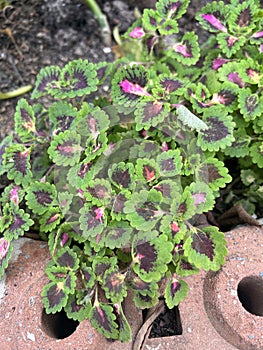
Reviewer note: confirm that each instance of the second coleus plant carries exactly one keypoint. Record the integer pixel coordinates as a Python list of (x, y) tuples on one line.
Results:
[(115, 184)]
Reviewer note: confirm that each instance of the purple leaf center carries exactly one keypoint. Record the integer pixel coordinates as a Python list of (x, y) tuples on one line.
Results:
[(214, 22)]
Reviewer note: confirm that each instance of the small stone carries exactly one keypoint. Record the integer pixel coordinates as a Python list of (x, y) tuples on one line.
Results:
[(107, 50), (31, 336)]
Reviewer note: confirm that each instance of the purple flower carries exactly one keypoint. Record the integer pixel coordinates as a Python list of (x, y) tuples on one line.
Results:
[(137, 33), (214, 22), (132, 88)]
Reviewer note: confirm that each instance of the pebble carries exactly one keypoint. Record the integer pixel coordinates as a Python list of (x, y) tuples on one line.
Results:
[(31, 336), (107, 50)]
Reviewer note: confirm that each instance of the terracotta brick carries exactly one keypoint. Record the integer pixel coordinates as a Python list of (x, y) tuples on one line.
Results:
[(21, 309), (213, 317)]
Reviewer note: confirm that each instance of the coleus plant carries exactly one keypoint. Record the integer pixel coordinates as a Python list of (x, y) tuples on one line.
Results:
[(114, 184)]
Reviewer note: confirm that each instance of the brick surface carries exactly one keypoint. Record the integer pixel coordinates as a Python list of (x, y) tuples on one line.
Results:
[(21, 308), (213, 317)]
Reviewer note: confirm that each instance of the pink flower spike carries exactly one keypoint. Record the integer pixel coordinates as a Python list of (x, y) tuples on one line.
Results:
[(261, 48), (137, 33), (132, 88), (214, 22)]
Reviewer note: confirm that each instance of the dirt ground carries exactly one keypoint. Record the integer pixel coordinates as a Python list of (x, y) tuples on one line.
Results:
[(44, 32)]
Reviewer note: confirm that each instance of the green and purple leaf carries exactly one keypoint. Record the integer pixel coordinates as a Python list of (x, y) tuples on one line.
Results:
[(117, 235), (3, 145), (76, 310), (147, 170), (173, 9), (65, 148), (129, 85), (117, 211), (143, 301), (213, 17), (40, 197), (170, 163), (16, 160), (103, 319), (219, 133), (227, 95), (25, 121), (102, 264), (143, 209), (122, 175), (88, 276), (63, 116), (47, 79), (175, 292), (242, 19), (151, 19), (6, 248), (149, 114), (203, 197), (206, 248), (232, 72), (230, 44), (250, 104), (77, 78), (214, 173), (20, 222), (98, 191), (54, 297), (93, 121), (186, 51), (124, 327), (67, 258), (114, 285), (93, 220), (50, 219), (184, 268), (151, 259)]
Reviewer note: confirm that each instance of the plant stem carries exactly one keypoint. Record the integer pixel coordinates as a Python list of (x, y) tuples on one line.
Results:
[(102, 19), (15, 93)]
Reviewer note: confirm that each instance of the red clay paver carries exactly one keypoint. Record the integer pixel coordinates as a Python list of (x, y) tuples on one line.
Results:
[(213, 318)]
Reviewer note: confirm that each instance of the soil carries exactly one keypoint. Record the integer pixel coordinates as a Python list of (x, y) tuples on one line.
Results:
[(38, 33), (44, 32)]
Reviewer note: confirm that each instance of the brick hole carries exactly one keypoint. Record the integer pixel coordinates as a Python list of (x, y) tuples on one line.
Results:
[(167, 324), (250, 294), (58, 325)]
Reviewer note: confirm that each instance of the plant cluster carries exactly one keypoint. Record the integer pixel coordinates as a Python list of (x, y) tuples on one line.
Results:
[(114, 184)]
